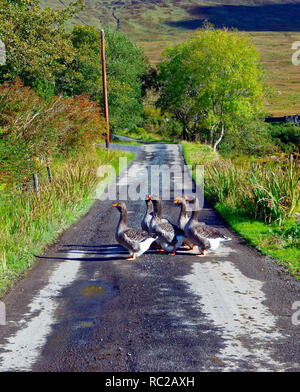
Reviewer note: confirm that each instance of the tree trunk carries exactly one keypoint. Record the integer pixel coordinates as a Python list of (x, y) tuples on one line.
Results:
[(220, 138), (211, 136), (185, 133)]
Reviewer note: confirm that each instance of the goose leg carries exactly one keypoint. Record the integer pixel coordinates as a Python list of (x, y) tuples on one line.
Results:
[(201, 254), (132, 257), (174, 251)]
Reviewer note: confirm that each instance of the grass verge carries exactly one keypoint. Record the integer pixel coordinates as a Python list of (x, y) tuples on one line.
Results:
[(234, 194), (30, 221)]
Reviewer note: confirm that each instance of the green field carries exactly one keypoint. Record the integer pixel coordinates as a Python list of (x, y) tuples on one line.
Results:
[(157, 24)]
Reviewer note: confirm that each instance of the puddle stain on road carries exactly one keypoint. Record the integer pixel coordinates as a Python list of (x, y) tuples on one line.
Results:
[(92, 291)]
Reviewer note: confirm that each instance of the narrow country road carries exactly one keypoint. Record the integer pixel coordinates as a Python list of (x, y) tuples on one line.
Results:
[(83, 307)]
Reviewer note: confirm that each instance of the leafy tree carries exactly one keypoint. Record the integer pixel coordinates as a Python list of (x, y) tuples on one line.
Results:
[(44, 56), (32, 128), (212, 81), (36, 44), (125, 64)]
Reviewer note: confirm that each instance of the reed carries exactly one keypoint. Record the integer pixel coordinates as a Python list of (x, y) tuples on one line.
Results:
[(265, 193)]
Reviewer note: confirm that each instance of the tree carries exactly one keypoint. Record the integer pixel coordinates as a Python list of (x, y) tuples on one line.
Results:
[(125, 63), (212, 81), (35, 39), (44, 56)]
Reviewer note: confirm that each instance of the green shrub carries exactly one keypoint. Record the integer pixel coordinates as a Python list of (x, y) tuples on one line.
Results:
[(34, 130), (286, 136)]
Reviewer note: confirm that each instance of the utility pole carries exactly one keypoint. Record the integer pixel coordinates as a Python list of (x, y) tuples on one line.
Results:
[(105, 88)]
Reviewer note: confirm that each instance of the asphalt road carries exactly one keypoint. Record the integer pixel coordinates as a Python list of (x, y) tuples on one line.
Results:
[(83, 307)]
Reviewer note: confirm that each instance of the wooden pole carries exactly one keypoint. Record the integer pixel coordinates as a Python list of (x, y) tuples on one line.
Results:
[(105, 88), (36, 186), (49, 174)]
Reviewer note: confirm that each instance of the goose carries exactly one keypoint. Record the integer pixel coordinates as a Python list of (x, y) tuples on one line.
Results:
[(136, 241), (183, 218), (145, 224), (152, 221), (148, 215), (205, 237), (170, 236)]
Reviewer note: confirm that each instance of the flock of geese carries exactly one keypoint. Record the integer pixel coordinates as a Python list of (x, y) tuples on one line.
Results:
[(160, 231)]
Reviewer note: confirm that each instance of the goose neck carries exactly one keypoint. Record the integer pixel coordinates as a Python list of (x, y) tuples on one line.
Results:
[(122, 225)]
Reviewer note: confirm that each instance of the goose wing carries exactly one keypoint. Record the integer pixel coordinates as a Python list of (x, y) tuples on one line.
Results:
[(209, 232), (133, 238), (168, 232), (198, 239)]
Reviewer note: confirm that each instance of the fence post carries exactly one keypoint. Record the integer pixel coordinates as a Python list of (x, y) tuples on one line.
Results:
[(36, 186), (49, 174)]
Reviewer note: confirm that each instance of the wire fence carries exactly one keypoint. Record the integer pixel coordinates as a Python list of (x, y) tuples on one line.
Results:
[(38, 180)]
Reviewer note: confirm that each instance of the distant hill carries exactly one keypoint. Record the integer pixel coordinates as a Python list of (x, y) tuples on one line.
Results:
[(145, 16), (156, 24)]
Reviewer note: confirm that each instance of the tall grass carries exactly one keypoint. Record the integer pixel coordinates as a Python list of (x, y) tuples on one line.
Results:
[(29, 221), (257, 198), (266, 193)]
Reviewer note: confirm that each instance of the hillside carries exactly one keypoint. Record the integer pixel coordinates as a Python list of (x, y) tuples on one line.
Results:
[(156, 24)]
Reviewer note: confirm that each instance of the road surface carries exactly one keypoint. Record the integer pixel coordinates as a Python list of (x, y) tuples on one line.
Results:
[(83, 307)]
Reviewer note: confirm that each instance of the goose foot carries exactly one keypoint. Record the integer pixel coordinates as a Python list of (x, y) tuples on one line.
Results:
[(186, 247), (201, 254), (174, 251), (162, 252)]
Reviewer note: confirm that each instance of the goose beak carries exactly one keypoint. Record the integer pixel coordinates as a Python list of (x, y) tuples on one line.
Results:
[(115, 205)]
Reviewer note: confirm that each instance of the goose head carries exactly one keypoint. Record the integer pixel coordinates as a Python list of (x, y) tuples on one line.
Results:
[(181, 200), (156, 204), (149, 205), (155, 201), (120, 206), (194, 201)]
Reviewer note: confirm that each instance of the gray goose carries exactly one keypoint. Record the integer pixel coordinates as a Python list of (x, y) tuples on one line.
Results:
[(136, 241), (145, 224), (205, 237), (148, 215), (170, 236), (183, 218)]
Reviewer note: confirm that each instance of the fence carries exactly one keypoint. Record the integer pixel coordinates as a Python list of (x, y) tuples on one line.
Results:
[(35, 183)]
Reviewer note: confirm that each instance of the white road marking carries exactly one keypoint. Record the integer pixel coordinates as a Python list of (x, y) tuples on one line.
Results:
[(22, 349), (235, 304)]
